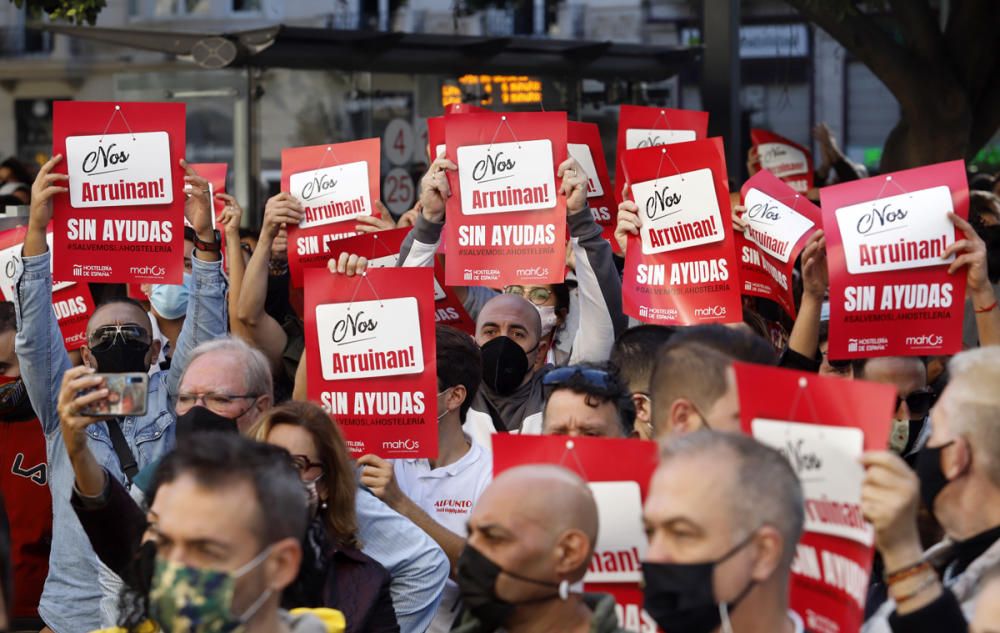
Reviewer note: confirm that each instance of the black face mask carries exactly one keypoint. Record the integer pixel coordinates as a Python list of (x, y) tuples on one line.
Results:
[(681, 597), (121, 357), (505, 365), (932, 478), (14, 403), (198, 419), (477, 582)]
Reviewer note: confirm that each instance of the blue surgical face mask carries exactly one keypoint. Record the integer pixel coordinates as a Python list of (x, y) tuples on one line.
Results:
[(171, 301)]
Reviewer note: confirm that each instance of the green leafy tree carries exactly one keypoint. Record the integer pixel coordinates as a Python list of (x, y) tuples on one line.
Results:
[(944, 69), (77, 11)]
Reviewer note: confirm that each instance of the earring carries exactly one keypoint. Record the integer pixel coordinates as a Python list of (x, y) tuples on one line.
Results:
[(564, 590)]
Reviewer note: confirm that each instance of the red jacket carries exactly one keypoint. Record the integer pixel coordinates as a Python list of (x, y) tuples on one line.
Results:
[(24, 485)]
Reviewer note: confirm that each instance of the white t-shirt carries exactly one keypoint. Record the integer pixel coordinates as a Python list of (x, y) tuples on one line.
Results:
[(447, 494)]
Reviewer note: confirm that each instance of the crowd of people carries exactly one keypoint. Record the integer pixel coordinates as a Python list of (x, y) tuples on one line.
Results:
[(234, 504)]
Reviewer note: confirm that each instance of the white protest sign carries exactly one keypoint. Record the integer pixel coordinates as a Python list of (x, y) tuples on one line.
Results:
[(826, 460), (505, 177), (909, 230), (10, 259), (678, 212), (640, 137), (782, 160), (581, 152), (773, 226), (621, 541), (366, 339), (332, 194), (119, 170)]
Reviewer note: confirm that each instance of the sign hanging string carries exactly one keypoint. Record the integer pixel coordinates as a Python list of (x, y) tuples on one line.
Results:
[(364, 276), (800, 393), (503, 122), (571, 450), (663, 153), (329, 152), (117, 111), (888, 179)]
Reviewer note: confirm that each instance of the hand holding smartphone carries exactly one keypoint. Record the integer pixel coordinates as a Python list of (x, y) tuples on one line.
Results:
[(127, 395)]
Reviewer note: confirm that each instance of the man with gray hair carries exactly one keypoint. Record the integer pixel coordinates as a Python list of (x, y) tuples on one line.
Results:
[(958, 478), (724, 514)]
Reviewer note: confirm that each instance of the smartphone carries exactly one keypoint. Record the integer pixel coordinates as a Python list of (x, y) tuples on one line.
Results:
[(126, 395)]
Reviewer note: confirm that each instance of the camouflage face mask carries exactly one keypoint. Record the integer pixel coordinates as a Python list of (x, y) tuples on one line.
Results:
[(187, 599)]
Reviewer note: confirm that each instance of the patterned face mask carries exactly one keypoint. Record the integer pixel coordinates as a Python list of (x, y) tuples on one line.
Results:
[(187, 599)]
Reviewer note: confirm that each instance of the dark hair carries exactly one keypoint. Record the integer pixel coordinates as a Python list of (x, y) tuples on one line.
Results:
[(340, 518), (634, 354), (8, 318), (689, 370), (248, 234), (459, 362), (19, 169), (613, 390), (116, 300), (217, 460), (980, 181), (736, 343), (982, 203)]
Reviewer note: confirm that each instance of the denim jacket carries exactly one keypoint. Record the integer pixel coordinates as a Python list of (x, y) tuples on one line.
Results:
[(71, 598)]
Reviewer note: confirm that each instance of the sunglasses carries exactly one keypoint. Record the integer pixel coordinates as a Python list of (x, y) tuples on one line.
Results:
[(129, 334), (918, 402), (537, 296), (593, 378)]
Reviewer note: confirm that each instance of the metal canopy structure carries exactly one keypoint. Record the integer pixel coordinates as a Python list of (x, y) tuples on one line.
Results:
[(418, 53)]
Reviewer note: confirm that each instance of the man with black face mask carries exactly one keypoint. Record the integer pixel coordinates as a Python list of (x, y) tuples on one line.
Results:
[(509, 328), (524, 553), (118, 340), (724, 514), (958, 478)]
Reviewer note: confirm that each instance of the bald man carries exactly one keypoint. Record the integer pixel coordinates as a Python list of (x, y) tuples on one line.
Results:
[(508, 327), (531, 536)]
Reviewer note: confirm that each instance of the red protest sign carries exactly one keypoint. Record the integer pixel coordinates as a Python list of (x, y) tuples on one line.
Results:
[(506, 218), (780, 222), (584, 144), (786, 159), (620, 487), (123, 218), (372, 358), (647, 126), (448, 309), (215, 174), (823, 425), (435, 137), (681, 269), (382, 251), (71, 301), (335, 184), (890, 291)]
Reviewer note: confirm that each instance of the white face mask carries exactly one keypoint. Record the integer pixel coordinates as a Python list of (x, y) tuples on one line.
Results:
[(549, 319)]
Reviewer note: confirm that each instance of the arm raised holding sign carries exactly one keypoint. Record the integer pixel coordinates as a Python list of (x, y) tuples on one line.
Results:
[(261, 328), (600, 287), (970, 253)]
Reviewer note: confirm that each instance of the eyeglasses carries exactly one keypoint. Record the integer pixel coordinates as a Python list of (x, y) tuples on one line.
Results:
[(593, 378), (217, 402), (303, 463), (537, 296), (918, 402), (130, 334)]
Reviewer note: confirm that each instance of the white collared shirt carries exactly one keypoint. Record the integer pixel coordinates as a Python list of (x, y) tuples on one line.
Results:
[(447, 494)]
